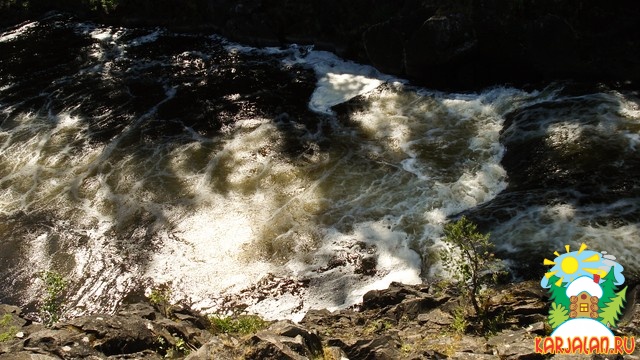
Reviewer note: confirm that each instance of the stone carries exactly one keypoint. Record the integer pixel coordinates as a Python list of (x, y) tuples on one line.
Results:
[(435, 316), (218, 347), (311, 339), (334, 352), (393, 295), (385, 47), (382, 347), (25, 355), (265, 345), (440, 42), (511, 344), (115, 335), (143, 310)]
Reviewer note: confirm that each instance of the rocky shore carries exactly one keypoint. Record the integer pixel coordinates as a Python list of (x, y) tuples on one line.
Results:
[(401, 322)]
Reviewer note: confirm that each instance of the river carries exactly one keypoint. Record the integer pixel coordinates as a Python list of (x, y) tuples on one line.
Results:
[(283, 179)]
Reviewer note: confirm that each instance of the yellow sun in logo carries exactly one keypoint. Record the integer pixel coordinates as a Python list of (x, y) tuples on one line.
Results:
[(569, 265)]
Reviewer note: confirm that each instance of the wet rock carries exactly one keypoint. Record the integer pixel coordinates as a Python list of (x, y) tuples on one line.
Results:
[(113, 335), (288, 329), (401, 322)]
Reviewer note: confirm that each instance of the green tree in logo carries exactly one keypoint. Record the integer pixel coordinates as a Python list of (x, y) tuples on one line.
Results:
[(610, 314), (609, 288), (558, 293)]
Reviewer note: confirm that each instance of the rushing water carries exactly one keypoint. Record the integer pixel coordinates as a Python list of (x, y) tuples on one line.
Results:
[(282, 179)]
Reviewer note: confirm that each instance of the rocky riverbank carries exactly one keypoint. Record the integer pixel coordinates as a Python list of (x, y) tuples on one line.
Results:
[(401, 322), (437, 43)]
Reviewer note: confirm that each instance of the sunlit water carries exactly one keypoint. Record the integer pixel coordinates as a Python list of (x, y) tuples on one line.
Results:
[(137, 157)]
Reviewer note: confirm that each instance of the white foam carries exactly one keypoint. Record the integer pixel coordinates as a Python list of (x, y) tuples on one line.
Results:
[(13, 34), (145, 39)]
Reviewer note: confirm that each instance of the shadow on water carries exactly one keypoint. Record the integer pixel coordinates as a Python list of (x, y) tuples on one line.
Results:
[(572, 164), (136, 103)]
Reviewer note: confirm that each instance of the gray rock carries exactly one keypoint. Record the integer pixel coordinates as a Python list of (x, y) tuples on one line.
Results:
[(269, 346), (115, 335), (511, 344), (382, 347), (219, 347), (311, 339), (25, 355)]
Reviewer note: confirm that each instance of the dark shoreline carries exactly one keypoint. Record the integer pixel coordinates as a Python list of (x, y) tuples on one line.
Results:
[(401, 322), (461, 45)]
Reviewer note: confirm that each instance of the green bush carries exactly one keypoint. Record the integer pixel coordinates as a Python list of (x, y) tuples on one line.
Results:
[(7, 330), (237, 324), (470, 260), (52, 303), (160, 296)]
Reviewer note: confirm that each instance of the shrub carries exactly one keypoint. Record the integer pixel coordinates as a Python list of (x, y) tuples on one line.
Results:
[(469, 259), (160, 296), (237, 324), (52, 303)]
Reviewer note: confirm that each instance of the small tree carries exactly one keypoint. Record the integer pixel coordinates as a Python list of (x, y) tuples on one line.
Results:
[(52, 302), (468, 259)]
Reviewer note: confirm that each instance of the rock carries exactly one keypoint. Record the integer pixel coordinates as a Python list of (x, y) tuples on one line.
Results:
[(265, 345), (511, 344), (385, 48), (143, 310), (552, 47), (334, 352), (471, 356), (393, 295), (219, 347), (286, 340), (383, 347), (440, 43), (25, 355), (288, 329), (435, 316), (115, 335)]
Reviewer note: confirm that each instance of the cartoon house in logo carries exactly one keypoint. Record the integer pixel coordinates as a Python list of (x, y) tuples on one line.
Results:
[(586, 303), (584, 294)]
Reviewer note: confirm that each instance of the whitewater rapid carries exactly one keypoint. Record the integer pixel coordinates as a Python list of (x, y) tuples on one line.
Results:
[(109, 176)]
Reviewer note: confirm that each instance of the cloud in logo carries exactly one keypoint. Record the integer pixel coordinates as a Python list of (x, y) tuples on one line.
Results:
[(574, 264)]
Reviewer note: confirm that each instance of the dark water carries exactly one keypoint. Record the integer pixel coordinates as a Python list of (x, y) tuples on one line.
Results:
[(133, 157)]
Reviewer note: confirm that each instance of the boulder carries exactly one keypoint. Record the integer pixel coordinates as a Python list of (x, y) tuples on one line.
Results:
[(442, 42), (114, 335), (385, 48), (222, 347)]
